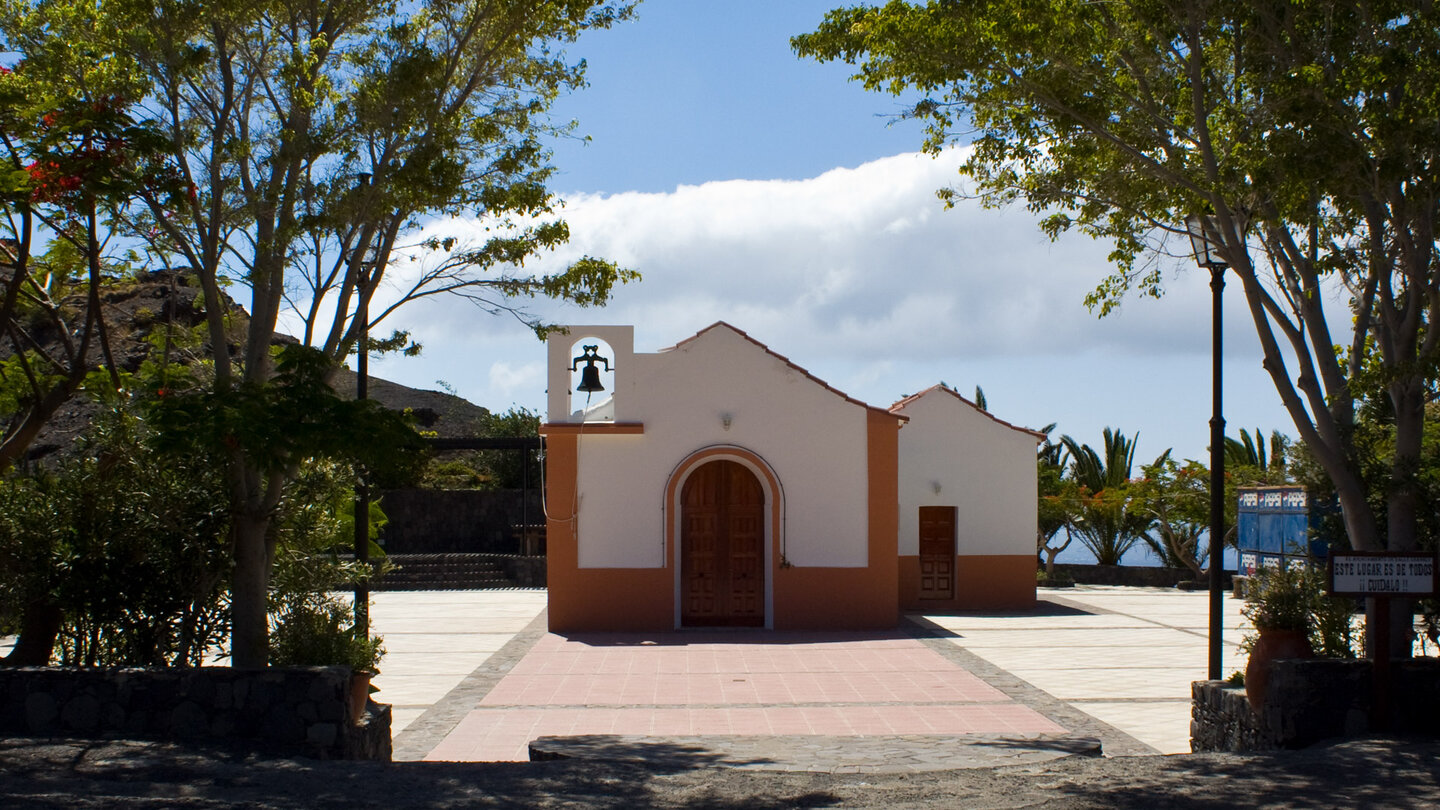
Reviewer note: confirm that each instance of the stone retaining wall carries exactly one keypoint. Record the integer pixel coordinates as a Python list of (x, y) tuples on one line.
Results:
[(1312, 700), (295, 710), (1132, 575), (525, 572), (426, 521)]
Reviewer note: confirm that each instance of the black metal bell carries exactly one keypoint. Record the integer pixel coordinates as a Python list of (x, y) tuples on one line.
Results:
[(590, 380)]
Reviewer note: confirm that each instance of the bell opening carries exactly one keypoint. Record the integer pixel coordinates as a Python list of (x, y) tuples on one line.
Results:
[(592, 369)]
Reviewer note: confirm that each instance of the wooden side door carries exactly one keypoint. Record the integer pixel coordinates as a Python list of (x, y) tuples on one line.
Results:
[(937, 552), (722, 547)]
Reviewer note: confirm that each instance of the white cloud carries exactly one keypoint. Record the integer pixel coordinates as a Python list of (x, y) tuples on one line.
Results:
[(516, 380), (861, 276)]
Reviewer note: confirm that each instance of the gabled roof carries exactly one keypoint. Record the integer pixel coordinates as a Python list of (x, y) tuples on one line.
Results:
[(828, 387), (956, 394)]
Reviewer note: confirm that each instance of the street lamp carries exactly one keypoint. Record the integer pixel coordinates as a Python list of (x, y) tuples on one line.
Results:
[(362, 391), (1206, 242)]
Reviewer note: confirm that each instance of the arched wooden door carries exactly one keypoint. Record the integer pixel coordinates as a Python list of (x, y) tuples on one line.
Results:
[(722, 547)]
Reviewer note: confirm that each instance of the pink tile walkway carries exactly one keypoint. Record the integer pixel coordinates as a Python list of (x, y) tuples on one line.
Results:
[(732, 683)]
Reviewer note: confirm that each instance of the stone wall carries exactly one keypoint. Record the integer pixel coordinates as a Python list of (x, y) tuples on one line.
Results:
[(1312, 700), (297, 710), (425, 521), (1132, 575), (525, 572)]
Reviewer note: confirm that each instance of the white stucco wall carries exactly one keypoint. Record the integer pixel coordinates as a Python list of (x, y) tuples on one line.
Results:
[(811, 437), (984, 468)]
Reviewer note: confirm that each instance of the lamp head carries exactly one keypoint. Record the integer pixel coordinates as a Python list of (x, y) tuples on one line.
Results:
[(1205, 241)]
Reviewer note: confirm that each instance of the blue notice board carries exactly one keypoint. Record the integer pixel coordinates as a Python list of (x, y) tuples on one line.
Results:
[(1273, 528)]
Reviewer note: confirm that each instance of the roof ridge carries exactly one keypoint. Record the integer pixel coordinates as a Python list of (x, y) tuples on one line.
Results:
[(956, 394)]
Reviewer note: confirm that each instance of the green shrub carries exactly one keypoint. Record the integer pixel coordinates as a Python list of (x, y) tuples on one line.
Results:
[(1058, 578), (321, 633), (315, 531), (128, 545)]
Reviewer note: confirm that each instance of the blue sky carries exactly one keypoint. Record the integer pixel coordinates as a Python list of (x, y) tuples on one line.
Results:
[(752, 187), (703, 90)]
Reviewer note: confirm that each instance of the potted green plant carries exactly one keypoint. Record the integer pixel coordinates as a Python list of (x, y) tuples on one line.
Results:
[(321, 633), (1280, 601)]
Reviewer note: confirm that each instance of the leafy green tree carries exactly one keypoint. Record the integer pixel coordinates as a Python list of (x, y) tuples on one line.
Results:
[(1306, 129), (76, 163), (319, 137), (491, 469), (505, 469), (1177, 496), (1056, 511)]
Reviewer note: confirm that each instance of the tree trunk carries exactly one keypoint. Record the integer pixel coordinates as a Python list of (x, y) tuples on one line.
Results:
[(1403, 499), (1402, 627), (1051, 552), (1402, 509), (39, 626), (249, 625)]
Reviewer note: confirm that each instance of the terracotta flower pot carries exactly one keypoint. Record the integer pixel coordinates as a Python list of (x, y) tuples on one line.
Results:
[(360, 693), (1272, 646)]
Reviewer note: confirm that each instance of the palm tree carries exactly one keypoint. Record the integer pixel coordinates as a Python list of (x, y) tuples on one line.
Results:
[(1106, 522), (1248, 454)]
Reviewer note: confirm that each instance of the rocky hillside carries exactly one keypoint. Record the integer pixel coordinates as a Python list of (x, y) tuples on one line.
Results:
[(136, 309)]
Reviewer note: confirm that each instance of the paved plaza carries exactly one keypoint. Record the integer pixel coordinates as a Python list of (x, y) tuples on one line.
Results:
[(474, 676)]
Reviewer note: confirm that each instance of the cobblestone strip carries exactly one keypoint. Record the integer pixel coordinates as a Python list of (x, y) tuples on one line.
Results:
[(1115, 742), (430, 728)]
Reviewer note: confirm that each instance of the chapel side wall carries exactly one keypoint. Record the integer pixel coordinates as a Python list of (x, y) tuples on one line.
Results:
[(987, 471)]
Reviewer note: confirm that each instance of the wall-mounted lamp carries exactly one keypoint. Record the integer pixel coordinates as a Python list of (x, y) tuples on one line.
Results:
[(725, 420), (935, 485)]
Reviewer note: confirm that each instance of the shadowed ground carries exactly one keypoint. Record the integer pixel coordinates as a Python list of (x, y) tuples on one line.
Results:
[(1356, 774)]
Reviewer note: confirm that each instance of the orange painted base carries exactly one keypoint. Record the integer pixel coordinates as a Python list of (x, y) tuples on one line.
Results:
[(835, 599), (982, 582), (620, 599), (630, 599)]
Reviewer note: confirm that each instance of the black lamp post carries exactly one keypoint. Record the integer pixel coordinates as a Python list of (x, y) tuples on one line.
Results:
[(362, 487), (1206, 242)]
